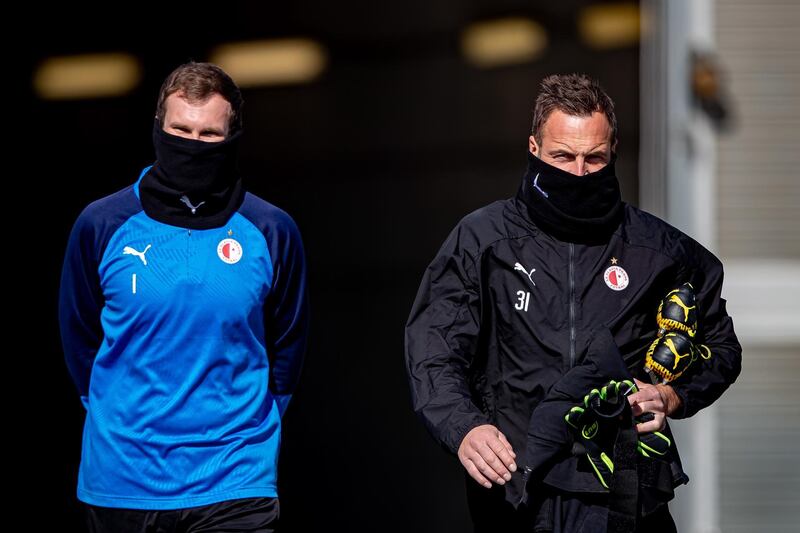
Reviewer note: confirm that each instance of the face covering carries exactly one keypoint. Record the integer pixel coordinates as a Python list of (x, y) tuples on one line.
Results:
[(192, 184), (569, 207)]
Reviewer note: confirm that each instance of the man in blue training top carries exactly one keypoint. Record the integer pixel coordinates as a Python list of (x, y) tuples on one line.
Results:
[(184, 318)]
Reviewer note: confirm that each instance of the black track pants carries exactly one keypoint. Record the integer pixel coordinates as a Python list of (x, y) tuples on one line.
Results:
[(251, 515)]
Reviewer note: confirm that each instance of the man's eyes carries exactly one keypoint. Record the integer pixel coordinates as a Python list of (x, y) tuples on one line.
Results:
[(207, 133), (589, 159)]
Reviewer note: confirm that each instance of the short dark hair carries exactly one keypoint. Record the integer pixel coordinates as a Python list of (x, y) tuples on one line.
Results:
[(198, 82), (573, 94)]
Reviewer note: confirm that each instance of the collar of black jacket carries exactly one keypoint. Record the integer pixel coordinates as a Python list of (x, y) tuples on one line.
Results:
[(572, 208), (193, 184)]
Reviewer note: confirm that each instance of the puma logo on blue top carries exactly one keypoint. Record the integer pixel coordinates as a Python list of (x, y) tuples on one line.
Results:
[(130, 251)]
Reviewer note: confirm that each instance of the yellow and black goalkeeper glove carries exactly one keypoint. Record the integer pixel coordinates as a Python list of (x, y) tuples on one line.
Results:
[(671, 355), (678, 311), (673, 352)]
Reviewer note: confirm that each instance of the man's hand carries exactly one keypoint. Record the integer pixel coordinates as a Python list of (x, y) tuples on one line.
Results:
[(487, 455), (660, 400)]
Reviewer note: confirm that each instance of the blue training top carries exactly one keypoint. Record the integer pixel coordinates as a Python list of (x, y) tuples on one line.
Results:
[(185, 346)]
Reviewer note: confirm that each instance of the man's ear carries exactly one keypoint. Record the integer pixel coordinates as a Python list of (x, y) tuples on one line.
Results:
[(533, 147)]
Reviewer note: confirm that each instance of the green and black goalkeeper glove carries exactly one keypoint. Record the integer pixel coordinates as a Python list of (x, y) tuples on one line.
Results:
[(596, 423), (591, 442)]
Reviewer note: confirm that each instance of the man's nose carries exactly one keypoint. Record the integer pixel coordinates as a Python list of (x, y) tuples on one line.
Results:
[(579, 168)]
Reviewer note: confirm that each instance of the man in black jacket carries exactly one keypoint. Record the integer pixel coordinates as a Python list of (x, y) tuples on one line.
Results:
[(524, 288)]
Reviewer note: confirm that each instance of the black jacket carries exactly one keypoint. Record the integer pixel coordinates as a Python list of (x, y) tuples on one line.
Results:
[(488, 336)]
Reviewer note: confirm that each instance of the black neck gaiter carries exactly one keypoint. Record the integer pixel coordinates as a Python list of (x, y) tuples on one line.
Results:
[(569, 207), (192, 184)]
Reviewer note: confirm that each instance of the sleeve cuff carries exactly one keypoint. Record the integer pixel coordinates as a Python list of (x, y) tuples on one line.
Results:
[(682, 411), (461, 432)]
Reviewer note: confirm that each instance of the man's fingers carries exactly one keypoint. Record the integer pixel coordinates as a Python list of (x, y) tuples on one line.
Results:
[(507, 444), (644, 395), (635, 397), (494, 461), (502, 452), (646, 391), (656, 424), (473, 471), (512, 464), (490, 470), (488, 451), (650, 406)]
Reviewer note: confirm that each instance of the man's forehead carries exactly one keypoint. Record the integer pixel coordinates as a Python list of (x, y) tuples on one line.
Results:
[(558, 119), (183, 100), (563, 128)]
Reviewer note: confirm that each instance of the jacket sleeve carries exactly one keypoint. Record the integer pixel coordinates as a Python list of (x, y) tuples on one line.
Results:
[(706, 384), (286, 312), (441, 338), (80, 303)]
